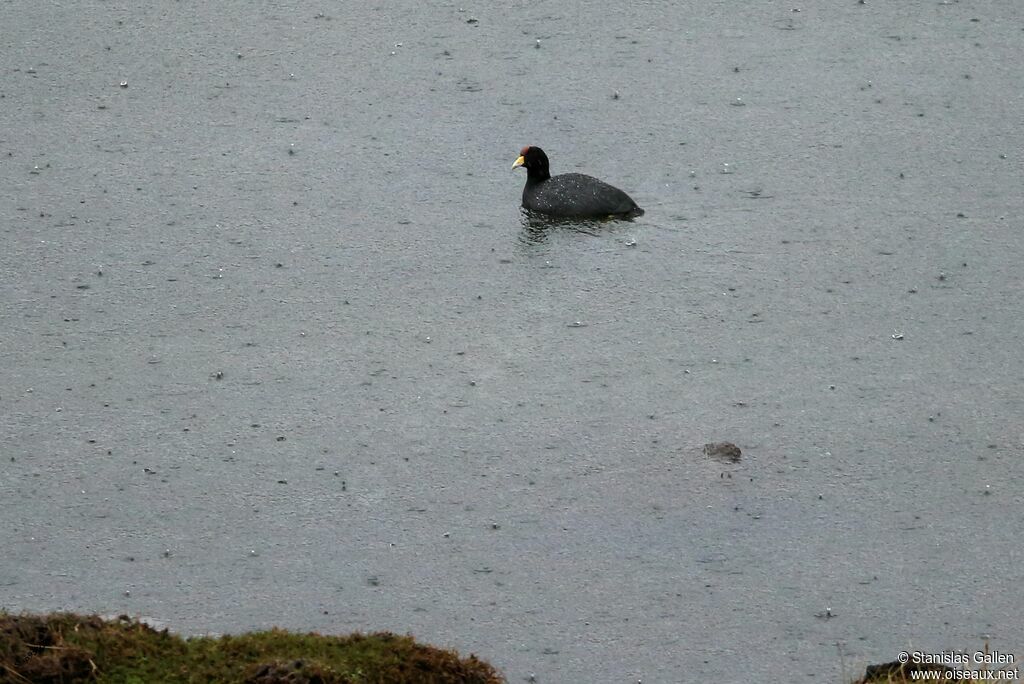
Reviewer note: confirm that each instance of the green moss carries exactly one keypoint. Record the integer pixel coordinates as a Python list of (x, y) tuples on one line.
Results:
[(66, 648)]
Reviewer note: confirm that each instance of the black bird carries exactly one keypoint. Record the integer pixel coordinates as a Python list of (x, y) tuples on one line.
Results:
[(570, 195)]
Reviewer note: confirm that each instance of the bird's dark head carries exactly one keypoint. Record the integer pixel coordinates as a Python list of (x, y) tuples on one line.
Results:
[(533, 159)]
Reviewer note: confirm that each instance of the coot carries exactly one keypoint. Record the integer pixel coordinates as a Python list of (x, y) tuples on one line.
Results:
[(570, 194)]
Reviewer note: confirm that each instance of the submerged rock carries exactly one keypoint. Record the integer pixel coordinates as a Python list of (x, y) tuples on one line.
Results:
[(723, 451)]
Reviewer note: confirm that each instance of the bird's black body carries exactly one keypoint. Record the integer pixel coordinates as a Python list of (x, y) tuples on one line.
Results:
[(570, 195)]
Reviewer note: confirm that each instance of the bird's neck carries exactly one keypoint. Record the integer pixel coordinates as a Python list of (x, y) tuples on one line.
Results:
[(537, 175)]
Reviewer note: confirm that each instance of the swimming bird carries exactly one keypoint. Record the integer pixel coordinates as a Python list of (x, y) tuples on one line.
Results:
[(570, 195)]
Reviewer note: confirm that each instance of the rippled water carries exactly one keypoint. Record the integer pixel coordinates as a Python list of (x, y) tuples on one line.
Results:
[(278, 347)]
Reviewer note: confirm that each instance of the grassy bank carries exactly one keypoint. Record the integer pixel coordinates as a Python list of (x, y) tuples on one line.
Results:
[(66, 648)]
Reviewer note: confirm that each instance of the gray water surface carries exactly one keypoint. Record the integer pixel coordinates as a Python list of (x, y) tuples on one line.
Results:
[(278, 347)]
